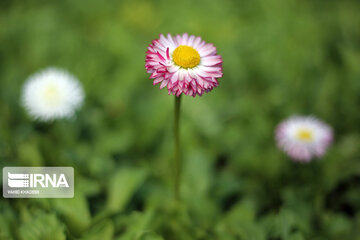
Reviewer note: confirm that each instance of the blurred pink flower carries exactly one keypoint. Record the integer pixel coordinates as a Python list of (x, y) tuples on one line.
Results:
[(183, 64), (303, 137)]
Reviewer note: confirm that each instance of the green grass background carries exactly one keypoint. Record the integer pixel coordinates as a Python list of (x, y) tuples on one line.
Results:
[(281, 57)]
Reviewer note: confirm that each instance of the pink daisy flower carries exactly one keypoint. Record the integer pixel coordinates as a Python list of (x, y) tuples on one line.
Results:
[(303, 137), (183, 64)]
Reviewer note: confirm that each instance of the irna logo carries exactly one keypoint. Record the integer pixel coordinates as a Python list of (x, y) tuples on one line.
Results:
[(38, 182), (20, 180)]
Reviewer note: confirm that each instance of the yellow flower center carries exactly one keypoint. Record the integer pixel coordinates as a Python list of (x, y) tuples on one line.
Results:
[(186, 57), (51, 94), (305, 135)]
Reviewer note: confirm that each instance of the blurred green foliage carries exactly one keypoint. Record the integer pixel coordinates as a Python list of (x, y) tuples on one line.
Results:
[(281, 57)]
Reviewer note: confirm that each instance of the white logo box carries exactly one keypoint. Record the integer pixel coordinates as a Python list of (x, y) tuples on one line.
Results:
[(38, 182)]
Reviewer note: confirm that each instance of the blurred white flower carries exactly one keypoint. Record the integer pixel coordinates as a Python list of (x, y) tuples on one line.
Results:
[(52, 94), (304, 137)]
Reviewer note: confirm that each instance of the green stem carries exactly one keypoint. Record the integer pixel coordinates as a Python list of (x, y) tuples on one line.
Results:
[(177, 160)]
